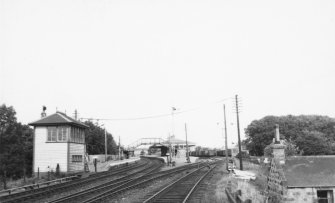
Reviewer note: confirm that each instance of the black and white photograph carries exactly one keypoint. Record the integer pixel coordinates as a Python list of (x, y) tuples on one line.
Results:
[(132, 101)]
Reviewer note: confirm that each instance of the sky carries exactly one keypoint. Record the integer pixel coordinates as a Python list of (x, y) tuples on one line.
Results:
[(126, 59)]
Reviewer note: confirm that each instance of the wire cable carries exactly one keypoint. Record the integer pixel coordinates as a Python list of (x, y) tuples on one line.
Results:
[(155, 116)]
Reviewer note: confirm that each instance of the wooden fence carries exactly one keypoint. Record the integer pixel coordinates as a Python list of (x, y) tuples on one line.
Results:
[(38, 185)]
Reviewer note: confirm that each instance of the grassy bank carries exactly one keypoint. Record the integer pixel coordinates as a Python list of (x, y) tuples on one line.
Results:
[(252, 189)]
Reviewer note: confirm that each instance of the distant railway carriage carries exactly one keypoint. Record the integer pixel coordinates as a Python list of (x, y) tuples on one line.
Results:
[(211, 153), (223, 152)]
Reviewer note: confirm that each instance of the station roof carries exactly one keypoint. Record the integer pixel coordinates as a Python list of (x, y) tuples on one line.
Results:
[(175, 141), (58, 118), (310, 171)]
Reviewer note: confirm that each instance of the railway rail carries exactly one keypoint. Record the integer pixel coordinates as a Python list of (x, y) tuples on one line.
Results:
[(182, 189), (91, 192), (138, 182), (30, 195), (126, 178)]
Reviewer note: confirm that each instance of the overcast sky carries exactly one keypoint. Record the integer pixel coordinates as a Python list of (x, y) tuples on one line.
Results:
[(136, 58)]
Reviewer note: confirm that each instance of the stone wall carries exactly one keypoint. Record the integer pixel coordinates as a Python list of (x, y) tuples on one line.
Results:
[(302, 195), (307, 195), (276, 179)]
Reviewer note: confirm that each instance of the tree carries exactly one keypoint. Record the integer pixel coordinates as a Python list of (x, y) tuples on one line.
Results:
[(95, 140), (313, 143), (16, 146), (260, 133)]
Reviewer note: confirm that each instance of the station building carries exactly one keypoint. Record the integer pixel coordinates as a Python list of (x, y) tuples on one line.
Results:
[(58, 140), (160, 147), (179, 146), (305, 179)]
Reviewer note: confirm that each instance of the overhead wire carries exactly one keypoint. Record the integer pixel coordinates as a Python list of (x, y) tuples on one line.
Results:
[(155, 116)]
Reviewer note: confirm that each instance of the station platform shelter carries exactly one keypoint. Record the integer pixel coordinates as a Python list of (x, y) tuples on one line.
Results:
[(178, 146), (161, 147)]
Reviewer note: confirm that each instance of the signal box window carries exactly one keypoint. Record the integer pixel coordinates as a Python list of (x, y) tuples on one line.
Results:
[(77, 158), (52, 134)]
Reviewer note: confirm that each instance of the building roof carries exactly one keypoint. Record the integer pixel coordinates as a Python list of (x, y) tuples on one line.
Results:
[(310, 171), (57, 118), (175, 141)]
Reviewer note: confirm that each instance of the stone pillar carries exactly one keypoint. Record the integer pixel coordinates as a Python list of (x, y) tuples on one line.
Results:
[(278, 148), (277, 137)]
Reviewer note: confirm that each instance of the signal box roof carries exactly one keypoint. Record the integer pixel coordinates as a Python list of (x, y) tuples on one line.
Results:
[(58, 118)]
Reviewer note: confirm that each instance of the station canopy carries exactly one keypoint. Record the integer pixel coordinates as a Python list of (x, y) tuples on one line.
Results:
[(176, 141)]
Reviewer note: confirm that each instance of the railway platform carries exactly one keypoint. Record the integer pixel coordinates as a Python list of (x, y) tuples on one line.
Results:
[(106, 165), (179, 161)]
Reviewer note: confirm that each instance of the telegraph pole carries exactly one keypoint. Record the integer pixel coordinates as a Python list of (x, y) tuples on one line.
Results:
[(238, 133), (105, 145), (170, 151), (225, 132), (119, 149), (187, 155)]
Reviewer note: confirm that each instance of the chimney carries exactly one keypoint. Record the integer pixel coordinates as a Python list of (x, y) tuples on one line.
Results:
[(278, 148), (43, 114), (277, 137)]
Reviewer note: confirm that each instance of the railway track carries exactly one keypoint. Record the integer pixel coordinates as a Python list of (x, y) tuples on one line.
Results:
[(102, 188), (142, 175), (137, 182), (32, 195), (182, 189)]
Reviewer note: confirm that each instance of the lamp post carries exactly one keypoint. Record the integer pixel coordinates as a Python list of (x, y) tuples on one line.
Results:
[(172, 113), (169, 157), (187, 154), (171, 150)]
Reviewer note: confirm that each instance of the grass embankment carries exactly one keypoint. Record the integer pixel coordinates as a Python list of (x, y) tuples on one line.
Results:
[(252, 189), (20, 182)]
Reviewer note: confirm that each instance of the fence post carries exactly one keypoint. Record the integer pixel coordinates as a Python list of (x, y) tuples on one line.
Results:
[(229, 186)]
